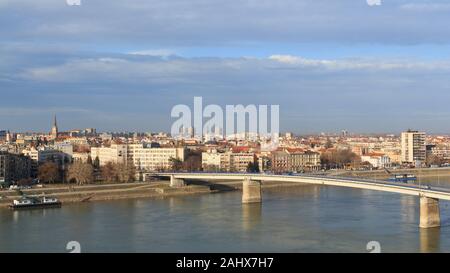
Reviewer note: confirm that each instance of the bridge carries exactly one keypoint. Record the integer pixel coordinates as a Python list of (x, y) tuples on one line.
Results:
[(251, 188)]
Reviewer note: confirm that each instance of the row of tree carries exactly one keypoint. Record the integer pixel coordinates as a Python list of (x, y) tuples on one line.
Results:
[(85, 173)]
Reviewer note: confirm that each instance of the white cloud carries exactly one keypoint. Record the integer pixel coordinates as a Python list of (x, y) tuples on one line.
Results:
[(179, 70), (178, 23), (154, 52), (344, 64), (426, 7), (290, 59)]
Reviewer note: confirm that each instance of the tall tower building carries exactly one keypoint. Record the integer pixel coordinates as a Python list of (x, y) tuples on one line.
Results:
[(55, 128), (413, 147)]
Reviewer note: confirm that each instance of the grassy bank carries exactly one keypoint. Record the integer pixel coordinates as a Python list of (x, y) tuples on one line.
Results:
[(73, 194)]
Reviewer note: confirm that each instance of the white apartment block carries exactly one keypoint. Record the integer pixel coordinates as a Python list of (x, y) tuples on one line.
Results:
[(213, 160), (117, 153), (144, 158), (413, 147), (377, 161), (227, 161), (153, 159), (45, 154)]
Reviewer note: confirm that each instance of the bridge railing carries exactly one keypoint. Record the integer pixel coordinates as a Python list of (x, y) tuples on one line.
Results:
[(315, 177)]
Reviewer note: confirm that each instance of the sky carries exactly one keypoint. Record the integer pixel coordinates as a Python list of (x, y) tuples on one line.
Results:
[(122, 65)]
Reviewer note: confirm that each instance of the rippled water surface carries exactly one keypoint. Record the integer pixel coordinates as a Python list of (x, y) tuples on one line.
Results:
[(293, 219)]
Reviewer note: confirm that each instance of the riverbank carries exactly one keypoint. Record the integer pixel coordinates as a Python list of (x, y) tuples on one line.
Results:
[(102, 192)]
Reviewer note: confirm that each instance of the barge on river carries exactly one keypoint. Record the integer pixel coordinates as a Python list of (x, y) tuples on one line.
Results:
[(35, 203)]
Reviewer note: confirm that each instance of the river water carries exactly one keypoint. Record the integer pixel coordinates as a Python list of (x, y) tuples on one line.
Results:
[(293, 219)]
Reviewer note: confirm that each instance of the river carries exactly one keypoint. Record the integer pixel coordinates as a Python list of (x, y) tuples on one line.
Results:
[(292, 219)]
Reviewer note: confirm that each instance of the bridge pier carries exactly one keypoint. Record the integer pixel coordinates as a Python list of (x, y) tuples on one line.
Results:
[(429, 212), (176, 182), (251, 191)]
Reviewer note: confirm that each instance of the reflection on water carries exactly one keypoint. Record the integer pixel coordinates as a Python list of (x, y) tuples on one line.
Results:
[(251, 215), (430, 240), (290, 219)]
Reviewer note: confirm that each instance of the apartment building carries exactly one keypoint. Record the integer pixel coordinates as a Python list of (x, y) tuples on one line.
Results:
[(116, 153), (413, 147), (294, 161), (43, 154), (227, 161), (143, 156), (13, 168), (155, 158), (377, 160)]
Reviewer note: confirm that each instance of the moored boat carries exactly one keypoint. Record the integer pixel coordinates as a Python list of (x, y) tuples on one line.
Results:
[(35, 203)]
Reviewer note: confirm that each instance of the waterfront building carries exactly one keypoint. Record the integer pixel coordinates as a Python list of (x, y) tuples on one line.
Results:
[(143, 156), (295, 160), (156, 158), (227, 161), (377, 160), (43, 154), (13, 167), (413, 147), (239, 162), (116, 153), (441, 151), (214, 160)]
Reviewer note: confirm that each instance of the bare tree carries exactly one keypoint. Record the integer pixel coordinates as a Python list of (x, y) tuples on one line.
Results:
[(434, 160), (49, 172), (339, 158), (125, 172), (109, 171), (82, 173)]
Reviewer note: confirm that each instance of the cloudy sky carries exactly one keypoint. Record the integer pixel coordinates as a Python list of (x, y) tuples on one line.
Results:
[(123, 65)]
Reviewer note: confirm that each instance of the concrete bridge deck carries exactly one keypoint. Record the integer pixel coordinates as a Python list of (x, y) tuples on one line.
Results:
[(251, 190)]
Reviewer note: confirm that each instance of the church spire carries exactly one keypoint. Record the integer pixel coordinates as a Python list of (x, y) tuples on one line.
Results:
[(55, 128)]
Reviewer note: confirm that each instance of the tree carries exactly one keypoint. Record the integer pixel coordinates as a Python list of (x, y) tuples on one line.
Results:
[(49, 172), (82, 173), (338, 158), (89, 160), (176, 164), (252, 167), (125, 172), (109, 171), (25, 182), (96, 163), (434, 160), (193, 163)]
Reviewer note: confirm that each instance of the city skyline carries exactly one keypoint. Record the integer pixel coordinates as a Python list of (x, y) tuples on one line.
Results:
[(51, 127)]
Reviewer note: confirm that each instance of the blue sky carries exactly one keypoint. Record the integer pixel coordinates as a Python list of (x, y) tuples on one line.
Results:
[(122, 65)]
